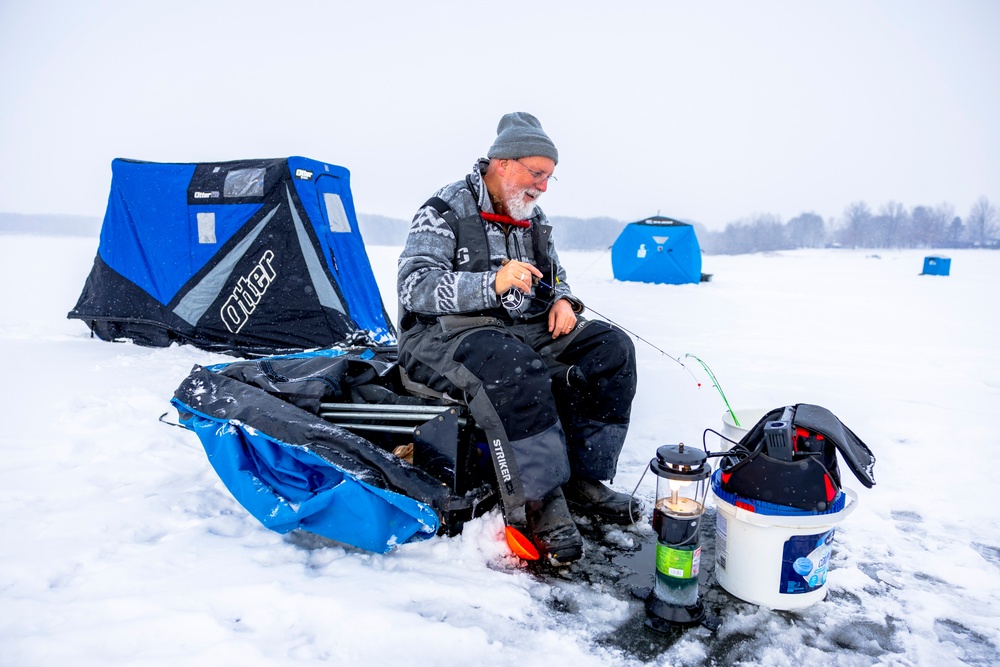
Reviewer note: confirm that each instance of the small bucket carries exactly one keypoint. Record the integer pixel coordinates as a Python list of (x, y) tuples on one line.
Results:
[(747, 419), (779, 562)]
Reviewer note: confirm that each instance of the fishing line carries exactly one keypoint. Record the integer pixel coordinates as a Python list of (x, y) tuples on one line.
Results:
[(631, 333), (599, 258), (661, 351)]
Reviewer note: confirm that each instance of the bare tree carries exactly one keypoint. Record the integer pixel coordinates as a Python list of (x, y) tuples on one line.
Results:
[(895, 225), (982, 221), (928, 227), (956, 230), (768, 232), (806, 231), (762, 232), (944, 214), (857, 222)]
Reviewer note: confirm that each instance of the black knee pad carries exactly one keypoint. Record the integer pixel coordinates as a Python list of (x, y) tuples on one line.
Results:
[(605, 356), (514, 377)]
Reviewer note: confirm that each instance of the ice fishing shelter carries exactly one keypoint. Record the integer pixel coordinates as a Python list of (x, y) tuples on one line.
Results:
[(936, 266), (657, 250), (250, 256)]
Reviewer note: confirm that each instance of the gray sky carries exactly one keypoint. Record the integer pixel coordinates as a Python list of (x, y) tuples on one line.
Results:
[(708, 111)]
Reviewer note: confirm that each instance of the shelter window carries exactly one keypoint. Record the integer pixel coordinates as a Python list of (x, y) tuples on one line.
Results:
[(244, 183), (335, 212), (206, 227)]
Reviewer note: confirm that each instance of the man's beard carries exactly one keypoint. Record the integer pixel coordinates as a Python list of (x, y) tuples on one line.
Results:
[(517, 207)]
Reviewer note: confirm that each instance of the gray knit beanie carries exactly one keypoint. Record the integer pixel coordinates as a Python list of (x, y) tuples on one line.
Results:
[(519, 134)]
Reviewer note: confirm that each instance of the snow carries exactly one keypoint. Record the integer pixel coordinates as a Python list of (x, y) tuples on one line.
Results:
[(121, 546)]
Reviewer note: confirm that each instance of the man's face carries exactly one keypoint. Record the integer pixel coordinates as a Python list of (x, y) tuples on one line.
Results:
[(525, 179)]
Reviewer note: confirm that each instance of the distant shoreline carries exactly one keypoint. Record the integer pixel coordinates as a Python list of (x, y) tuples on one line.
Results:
[(49, 224)]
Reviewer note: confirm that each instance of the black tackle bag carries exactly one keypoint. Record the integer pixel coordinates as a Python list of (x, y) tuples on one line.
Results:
[(789, 458)]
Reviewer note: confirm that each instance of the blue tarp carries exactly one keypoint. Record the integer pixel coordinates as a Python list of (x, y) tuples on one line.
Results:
[(287, 487), (291, 469)]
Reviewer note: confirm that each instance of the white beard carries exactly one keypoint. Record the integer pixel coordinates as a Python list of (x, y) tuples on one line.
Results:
[(517, 207)]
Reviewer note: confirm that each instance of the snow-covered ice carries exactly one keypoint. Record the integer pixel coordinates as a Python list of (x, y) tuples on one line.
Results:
[(120, 546)]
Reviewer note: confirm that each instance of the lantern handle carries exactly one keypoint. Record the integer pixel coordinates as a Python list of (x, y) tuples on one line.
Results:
[(645, 469)]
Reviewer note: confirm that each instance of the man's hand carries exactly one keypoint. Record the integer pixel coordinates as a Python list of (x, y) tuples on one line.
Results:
[(516, 274), (562, 319)]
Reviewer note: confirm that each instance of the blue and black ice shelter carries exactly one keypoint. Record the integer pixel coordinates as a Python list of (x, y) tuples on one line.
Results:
[(250, 256), (657, 250)]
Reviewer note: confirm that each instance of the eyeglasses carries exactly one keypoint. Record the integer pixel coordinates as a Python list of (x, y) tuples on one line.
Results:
[(539, 176)]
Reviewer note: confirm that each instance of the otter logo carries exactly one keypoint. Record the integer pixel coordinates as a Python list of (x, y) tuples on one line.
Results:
[(512, 299), (462, 255), (247, 294)]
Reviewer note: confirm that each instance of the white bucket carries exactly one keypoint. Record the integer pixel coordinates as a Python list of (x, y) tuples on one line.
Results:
[(747, 418), (779, 562)]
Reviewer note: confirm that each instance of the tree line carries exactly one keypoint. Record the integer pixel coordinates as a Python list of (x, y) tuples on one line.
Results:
[(893, 226)]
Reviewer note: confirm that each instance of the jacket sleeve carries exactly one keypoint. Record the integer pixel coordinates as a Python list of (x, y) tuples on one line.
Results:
[(426, 280)]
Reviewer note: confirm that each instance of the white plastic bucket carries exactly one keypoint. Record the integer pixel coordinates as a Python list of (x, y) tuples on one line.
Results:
[(747, 419), (779, 562)]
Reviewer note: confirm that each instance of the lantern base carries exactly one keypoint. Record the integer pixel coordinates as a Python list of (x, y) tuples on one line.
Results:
[(663, 616)]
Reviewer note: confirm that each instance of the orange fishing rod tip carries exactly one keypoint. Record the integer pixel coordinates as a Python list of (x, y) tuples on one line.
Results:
[(520, 545)]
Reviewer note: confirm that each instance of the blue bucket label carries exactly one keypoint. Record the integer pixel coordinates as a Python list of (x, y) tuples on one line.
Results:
[(805, 562)]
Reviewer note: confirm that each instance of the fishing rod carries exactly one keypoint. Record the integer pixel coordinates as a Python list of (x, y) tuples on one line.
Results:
[(711, 375), (715, 383), (630, 332)]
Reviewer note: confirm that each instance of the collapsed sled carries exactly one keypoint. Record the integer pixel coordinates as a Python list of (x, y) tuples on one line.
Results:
[(329, 442), (251, 257)]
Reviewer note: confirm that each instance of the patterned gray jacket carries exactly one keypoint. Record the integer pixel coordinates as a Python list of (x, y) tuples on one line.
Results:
[(427, 280)]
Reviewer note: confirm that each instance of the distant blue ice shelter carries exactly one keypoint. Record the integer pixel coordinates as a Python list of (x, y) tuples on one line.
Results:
[(657, 250), (936, 266)]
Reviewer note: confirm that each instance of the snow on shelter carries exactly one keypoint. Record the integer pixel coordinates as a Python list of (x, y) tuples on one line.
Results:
[(248, 256), (657, 250)]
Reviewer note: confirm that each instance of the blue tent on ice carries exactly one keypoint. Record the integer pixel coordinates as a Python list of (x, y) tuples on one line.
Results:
[(657, 250), (250, 256)]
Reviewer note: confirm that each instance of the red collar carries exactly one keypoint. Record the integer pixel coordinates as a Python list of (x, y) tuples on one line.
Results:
[(505, 219)]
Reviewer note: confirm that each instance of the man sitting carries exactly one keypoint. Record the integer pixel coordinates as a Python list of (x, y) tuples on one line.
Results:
[(488, 317)]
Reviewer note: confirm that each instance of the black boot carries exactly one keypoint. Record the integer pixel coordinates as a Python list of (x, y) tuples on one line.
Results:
[(553, 530), (595, 499)]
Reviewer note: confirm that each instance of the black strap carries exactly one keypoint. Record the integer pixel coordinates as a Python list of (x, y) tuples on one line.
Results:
[(438, 204), (540, 239), (539, 233)]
